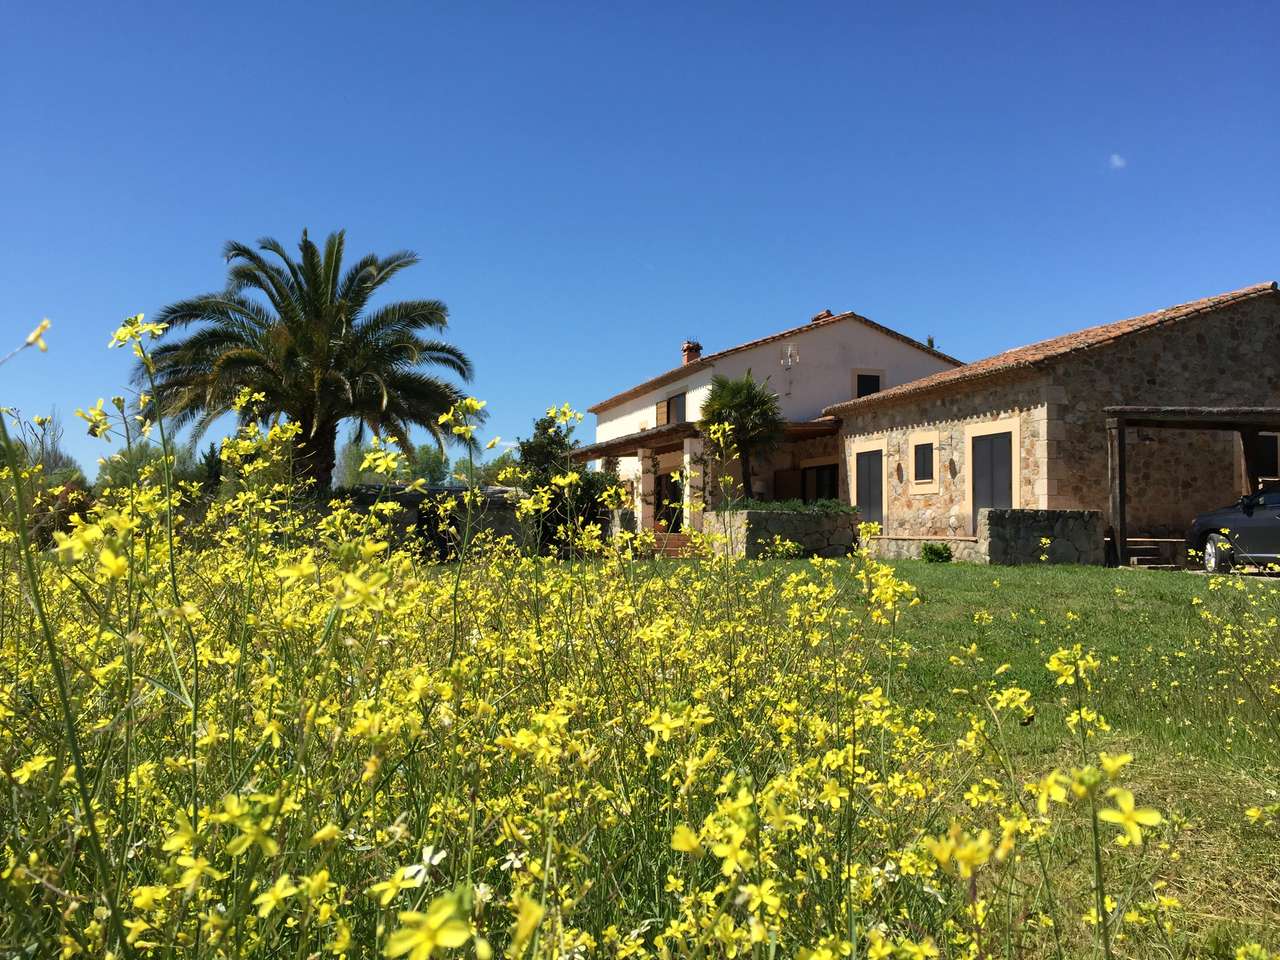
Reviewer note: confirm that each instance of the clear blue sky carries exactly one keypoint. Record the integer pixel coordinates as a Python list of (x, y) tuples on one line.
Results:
[(590, 184)]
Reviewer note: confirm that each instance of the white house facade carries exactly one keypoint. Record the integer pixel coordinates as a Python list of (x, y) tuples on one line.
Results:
[(649, 430)]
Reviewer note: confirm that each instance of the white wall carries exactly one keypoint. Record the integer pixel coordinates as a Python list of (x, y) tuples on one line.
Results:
[(823, 375), (828, 357)]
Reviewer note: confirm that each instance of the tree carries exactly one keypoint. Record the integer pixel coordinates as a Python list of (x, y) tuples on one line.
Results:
[(301, 334), (751, 410), (211, 468), (426, 461), (40, 444), (126, 465), (429, 463), (546, 455), (484, 473)]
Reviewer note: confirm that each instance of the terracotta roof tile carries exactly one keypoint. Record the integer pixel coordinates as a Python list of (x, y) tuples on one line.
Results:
[(709, 359), (1047, 351)]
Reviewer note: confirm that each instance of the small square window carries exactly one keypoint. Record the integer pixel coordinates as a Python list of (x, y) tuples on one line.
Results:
[(866, 384), (924, 462)]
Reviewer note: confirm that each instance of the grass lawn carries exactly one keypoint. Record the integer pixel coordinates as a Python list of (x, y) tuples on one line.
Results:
[(1171, 693)]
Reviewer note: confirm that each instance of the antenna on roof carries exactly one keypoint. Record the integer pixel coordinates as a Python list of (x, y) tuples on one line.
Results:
[(790, 357)]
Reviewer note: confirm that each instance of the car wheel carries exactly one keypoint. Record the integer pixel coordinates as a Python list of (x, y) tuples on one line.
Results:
[(1217, 554)]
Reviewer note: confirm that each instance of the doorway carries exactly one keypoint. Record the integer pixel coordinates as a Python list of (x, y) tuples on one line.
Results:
[(992, 456), (869, 480), (668, 503)]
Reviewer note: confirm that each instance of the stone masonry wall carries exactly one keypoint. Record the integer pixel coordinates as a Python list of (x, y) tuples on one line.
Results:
[(1012, 537), (748, 533), (1015, 536), (790, 455), (963, 549), (913, 513), (1229, 357)]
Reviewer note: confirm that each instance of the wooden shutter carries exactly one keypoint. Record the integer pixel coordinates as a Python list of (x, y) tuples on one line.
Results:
[(660, 414), (787, 485)]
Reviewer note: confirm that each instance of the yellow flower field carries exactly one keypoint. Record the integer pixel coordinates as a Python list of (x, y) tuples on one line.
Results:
[(253, 729)]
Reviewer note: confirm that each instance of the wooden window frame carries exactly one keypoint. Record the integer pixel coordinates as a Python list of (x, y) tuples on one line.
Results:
[(1010, 425), (933, 484), (856, 447)]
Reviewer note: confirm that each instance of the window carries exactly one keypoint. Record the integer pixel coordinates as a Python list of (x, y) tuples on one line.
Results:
[(820, 483), (865, 384), (924, 462), (675, 409), (670, 410)]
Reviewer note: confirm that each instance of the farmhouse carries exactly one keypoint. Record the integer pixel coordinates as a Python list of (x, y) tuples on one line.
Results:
[(1170, 398), (649, 431)]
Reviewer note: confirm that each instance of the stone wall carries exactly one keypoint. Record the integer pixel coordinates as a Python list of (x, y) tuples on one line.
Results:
[(941, 510), (1227, 357), (1015, 536), (788, 455), (749, 533), (963, 549), (1012, 537), (794, 454)]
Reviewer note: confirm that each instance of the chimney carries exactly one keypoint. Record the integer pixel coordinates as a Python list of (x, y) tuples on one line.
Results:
[(690, 351), (825, 314)]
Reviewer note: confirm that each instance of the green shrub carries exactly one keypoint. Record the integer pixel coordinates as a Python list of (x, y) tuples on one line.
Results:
[(796, 506), (936, 553)]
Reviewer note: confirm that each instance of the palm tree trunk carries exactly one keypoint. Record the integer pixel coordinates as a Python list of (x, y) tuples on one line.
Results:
[(317, 454), (744, 457)]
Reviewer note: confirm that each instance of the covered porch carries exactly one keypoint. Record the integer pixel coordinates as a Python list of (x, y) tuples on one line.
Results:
[(1257, 448), (670, 485)]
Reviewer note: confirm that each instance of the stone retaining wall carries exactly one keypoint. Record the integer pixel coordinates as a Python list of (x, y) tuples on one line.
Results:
[(1011, 537), (749, 533), (964, 549), (1014, 536)]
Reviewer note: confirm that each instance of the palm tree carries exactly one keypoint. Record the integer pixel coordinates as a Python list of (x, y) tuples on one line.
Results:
[(300, 333), (751, 410)]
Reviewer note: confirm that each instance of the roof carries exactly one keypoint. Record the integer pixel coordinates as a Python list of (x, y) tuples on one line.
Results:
[(676, 373), (669, 435), (1197, 418), (1050, 351), (665, 435)]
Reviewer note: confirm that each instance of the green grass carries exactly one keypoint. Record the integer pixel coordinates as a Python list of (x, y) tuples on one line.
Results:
[(1166, 689)]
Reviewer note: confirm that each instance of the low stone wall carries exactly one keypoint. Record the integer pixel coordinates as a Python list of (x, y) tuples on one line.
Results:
[(749, 533), (1014, 536), (964, 549)]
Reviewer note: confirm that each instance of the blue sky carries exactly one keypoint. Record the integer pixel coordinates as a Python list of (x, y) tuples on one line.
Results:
[(588, 185)]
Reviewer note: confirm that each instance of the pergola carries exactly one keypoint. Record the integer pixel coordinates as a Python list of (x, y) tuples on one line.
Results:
[(1249, 422)]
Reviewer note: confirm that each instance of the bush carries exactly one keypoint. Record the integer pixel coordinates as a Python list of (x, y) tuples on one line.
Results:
[(795, 506), (936, 553), (279, 734)]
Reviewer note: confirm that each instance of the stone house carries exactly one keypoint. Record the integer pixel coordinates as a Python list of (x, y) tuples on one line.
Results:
[(649, 431), (1028, 428)]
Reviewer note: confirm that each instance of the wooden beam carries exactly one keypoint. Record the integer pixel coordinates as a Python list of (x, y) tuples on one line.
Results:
[(1116, 469), (1250, 442)]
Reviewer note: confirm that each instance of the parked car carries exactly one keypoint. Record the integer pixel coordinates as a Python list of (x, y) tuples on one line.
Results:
[(1246, 533)]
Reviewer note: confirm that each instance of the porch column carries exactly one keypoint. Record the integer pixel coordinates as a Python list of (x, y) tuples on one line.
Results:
[(1119, 483), (693, 469), (644, 490)]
